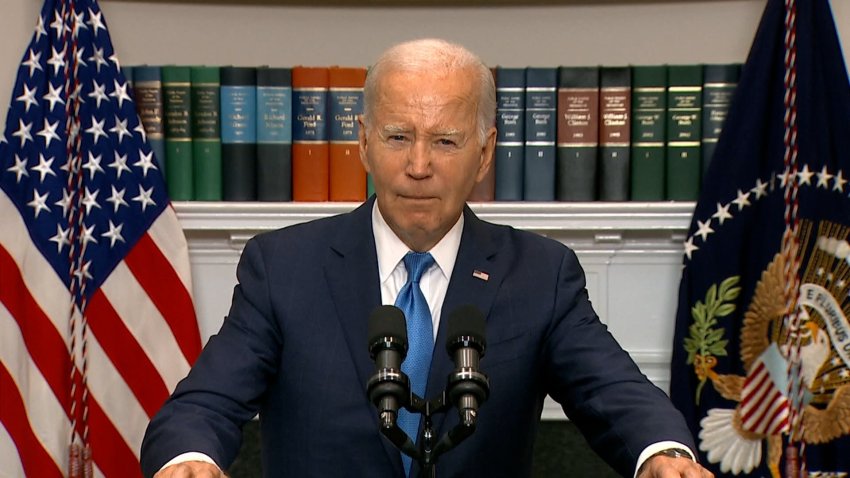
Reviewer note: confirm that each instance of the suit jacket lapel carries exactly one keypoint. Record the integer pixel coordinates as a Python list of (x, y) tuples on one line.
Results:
[(475, 279), (352, 275)]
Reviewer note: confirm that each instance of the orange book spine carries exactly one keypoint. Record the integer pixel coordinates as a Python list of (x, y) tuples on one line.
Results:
[(310, 151), (347, 176)]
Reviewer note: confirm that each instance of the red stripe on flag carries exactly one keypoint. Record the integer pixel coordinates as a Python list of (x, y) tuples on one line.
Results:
[(109, 450), (779, 409), (126, 354), (167, 292), (773, 401), (36, 461), (46, 347), (754, 392), (781, 426)]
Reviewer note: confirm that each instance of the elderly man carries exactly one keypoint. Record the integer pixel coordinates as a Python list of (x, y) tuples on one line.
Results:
[(294, 345)]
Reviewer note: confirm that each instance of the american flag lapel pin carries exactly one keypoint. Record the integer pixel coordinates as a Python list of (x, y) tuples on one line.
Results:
[(481, 275)]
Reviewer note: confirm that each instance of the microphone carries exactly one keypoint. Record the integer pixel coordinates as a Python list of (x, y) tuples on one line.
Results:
[(468, 387), (389, 387)]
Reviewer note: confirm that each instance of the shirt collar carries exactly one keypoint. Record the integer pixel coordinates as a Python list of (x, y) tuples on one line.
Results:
[(391, 249)]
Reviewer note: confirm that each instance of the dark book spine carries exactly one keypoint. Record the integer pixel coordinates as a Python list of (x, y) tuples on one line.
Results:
[(274, 134), (239, 133), (127, 71), (649, 106), (177, 105), (615, 104), (510, 133), (541, 98), (684, 128), (147, 88), (206, 132), (718, 87), (578, 133)]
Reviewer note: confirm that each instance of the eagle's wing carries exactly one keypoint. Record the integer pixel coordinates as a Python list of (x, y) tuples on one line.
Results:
[(821, 426), (729, 386), (767, 308)]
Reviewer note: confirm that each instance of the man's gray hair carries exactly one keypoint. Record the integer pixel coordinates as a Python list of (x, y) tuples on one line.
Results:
[(434, 55)]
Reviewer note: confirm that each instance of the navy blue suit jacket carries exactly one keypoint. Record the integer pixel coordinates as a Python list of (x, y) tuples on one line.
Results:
[(294, 349)]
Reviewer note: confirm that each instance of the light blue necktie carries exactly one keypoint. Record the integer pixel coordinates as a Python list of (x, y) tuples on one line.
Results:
[(420, 337)]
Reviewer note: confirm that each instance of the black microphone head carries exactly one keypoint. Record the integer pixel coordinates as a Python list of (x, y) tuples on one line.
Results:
[(387, 321), (465, 324)]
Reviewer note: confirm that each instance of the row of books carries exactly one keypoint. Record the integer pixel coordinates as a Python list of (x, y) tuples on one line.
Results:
[(643, 133), (254, 133)]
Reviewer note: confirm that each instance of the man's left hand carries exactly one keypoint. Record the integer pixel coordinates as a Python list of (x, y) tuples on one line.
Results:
[(667, 467)]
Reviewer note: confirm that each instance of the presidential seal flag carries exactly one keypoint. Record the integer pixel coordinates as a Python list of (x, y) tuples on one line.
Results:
[(97, 323), (761, 353)]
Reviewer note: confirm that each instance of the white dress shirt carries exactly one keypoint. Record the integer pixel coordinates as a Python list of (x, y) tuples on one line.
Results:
[(393, 275)]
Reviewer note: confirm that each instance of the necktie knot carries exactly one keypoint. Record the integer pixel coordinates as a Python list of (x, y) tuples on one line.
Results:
[(416, 264)]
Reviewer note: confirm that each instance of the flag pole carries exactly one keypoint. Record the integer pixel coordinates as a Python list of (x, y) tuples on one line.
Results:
[(80, 454), (795, 463)]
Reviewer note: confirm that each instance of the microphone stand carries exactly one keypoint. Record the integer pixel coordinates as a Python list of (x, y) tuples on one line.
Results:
[(428, 452), (389, 388)]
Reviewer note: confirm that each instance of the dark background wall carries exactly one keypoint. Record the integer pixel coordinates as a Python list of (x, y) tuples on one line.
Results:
[(560, 451)]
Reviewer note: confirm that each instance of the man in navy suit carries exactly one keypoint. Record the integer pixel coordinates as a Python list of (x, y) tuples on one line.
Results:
[(294, 345)]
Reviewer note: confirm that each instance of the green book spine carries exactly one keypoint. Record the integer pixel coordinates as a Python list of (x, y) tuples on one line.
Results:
[(177, 105), (614, 132), (718, 87), (649, 104), (206, 132), (684, 129)]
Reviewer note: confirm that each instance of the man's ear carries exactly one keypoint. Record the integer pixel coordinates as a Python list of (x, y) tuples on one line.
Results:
[(361, 140), (488, 150)]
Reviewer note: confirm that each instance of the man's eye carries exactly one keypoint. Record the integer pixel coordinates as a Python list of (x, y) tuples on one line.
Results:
[(396, 137), (446, 142)]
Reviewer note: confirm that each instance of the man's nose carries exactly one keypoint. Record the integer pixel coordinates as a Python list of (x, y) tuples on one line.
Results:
[(419, 159)]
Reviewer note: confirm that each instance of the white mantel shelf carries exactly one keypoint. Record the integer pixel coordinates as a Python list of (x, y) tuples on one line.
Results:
[(663, 218)]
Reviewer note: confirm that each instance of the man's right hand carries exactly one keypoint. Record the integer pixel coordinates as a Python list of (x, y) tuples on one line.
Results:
[(191, 469)]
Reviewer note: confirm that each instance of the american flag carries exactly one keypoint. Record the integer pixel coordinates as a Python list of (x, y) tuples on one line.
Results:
[(97, 323), (764, 407)]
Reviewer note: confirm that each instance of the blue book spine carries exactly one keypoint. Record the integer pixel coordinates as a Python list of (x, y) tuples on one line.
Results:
[(239, 133), (238, 108), (510, 138), (311, 121), (275, 115), (541, 87)]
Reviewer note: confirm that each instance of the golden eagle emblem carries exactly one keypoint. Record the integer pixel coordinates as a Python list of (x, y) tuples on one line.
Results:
[(734, 438)]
